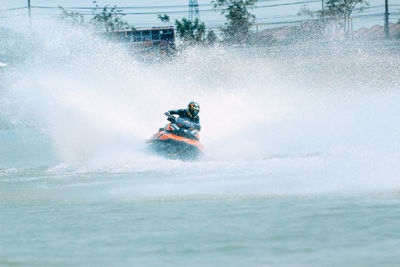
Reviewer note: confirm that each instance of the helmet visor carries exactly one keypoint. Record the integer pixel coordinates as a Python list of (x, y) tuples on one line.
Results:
[(195, 112)]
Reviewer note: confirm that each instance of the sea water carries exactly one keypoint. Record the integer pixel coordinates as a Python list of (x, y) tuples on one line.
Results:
[(301, 162)]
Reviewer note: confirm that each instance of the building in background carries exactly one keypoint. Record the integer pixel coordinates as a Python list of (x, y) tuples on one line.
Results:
[(149, 41)]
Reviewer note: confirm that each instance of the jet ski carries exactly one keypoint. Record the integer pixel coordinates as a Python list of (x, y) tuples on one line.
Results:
[(177, 140)]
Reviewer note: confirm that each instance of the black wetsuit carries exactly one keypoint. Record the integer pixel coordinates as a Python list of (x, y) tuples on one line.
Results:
[(184, 114)]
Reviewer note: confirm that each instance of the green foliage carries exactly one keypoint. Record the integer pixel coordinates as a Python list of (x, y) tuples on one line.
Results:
[(109, 19), (342, 9), (239, 19), (194, 32), (164, 18), (211, 37), (73, 18), (338, 12), (313, 28), (191, 32)]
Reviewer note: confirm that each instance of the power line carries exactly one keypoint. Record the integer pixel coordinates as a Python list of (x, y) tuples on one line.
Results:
[(179, 6), (289, 4), (173, 11), (267, 18), (174, 6), (260, 21), (12, 9), (147, 7)]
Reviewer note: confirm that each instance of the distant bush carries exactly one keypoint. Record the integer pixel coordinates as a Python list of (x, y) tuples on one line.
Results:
[(109, 19), (194, 32), (239, 19)]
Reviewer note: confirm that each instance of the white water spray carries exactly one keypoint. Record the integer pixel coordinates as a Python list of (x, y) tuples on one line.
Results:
[(321, 111)]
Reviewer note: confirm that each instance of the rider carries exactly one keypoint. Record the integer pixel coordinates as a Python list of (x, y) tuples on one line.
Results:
[(190, 113)]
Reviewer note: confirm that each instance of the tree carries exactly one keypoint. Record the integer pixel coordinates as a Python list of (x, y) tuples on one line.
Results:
[(164, 18), (191, 32), (312, 28), (240, 20), (109, 19), (194, 32), (342, 9), (211, 37), (72, 17)]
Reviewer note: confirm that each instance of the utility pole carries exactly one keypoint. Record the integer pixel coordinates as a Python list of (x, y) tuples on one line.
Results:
[(29, 12), (387, 19), (193, 10), (323, 17)]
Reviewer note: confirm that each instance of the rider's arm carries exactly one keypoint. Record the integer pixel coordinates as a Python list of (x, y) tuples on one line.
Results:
[(172, 112), (176, 112)]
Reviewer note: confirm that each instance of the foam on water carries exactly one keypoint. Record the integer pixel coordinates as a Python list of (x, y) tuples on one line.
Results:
[(282, 120)]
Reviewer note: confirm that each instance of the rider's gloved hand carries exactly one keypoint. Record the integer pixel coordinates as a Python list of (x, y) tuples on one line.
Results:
[(167, 113)]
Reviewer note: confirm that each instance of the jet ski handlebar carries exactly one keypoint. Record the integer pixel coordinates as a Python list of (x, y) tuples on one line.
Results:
[(181, 122), (171, 118)]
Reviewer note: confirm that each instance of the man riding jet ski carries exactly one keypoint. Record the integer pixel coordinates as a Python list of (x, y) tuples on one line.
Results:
[(179, 139), (191, 113)]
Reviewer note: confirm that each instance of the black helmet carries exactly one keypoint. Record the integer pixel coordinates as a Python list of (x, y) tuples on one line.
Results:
[(193, 109)]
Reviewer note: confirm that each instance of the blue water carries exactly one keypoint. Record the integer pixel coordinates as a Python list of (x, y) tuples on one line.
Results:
[(276, 211), (301, 160), (139, 218), (307, 230)]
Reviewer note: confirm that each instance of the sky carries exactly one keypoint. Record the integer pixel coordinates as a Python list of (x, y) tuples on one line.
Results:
[(269, 13)]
